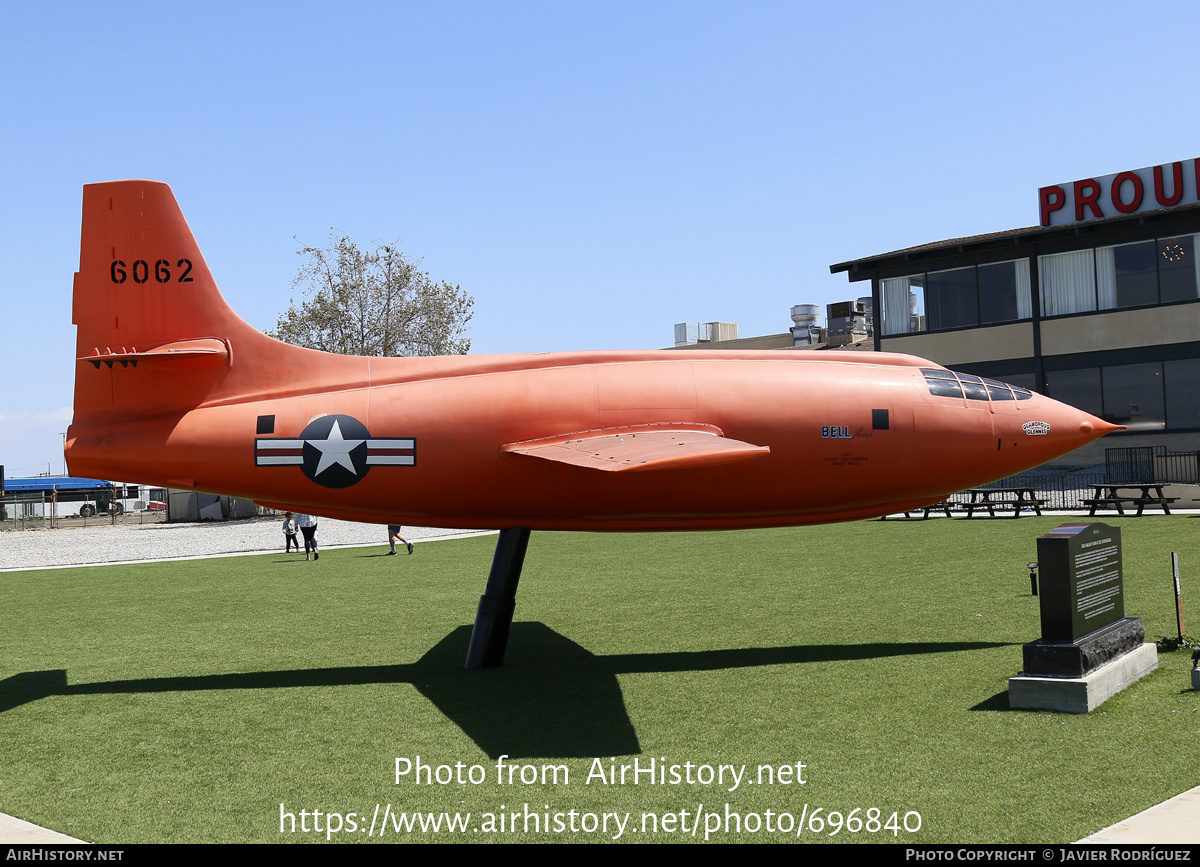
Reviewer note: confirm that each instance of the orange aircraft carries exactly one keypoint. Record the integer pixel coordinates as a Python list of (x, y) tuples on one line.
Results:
[(173, 389)]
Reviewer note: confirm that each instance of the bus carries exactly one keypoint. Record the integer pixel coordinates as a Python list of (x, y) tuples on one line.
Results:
[(67, 496)]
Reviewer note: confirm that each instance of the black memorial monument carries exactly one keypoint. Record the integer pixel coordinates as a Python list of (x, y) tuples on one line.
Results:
[(1082, 602)]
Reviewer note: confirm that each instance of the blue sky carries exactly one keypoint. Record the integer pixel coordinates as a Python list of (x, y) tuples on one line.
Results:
[(591, 172)]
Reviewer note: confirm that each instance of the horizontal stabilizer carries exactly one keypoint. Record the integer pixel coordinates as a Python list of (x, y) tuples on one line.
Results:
[(644, 447), (189, 354)]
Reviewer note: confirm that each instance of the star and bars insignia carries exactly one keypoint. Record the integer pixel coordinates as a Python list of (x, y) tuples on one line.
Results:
[(335, 451)]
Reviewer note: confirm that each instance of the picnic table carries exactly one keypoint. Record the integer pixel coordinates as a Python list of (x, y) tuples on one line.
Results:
[(991, 499), (942, 506), (1110, 496)]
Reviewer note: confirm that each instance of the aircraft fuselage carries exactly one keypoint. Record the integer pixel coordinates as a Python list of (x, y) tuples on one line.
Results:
[(852, 437)]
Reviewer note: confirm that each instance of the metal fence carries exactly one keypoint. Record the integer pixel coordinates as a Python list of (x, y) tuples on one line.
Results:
[(38, 511), (1142, 464), (1062, 491), (23, 511)]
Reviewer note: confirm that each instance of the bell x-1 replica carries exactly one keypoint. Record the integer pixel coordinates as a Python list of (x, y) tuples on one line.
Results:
[(173, 389)]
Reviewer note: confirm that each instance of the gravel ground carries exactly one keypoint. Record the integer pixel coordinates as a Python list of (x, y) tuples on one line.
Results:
[(131, 543)]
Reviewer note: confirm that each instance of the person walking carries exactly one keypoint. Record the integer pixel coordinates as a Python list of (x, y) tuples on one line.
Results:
[(308, 527), (289, 534), (393, 535)]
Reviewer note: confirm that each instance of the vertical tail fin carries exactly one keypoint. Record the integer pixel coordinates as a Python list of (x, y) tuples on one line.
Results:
[(144, 296), (142, 278), (156, 338)]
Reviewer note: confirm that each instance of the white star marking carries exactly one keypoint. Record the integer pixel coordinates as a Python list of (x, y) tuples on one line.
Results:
[(335, 450)]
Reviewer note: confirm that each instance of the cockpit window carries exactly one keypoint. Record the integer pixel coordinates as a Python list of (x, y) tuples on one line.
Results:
[(973, 387), (998, 390), (947, 383), (944, 387)]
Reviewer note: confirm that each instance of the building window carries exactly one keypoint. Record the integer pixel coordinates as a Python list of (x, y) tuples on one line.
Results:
[(1182, 380), (1004, 292), (950, 299), (1080, 388), (1027, 381), (1127, 275), (903, 304), (957, 298), (1133, 396), (1068, 282), (1138, 274), (1178, 268), (1128, 394)]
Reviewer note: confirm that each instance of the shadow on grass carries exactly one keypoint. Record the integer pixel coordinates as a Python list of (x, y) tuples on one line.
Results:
[(552, 698), (998, 702)]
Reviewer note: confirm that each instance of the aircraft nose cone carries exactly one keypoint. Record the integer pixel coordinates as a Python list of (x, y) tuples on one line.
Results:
[(1045, 429), (1079, 427), (1099, 427)]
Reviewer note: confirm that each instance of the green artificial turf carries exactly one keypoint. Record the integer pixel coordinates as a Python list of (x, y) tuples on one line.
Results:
[(187, 701)]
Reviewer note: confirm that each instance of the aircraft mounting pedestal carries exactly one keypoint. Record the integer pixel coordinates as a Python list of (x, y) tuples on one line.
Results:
[(499, 601)]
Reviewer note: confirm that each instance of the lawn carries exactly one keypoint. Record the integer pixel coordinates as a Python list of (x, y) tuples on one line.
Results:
[(188, 701)]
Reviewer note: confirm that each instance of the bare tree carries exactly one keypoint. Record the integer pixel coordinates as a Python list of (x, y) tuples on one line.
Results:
[(376, 302)]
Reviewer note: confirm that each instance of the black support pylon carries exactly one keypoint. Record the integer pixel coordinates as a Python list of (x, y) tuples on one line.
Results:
[(498, 602)]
